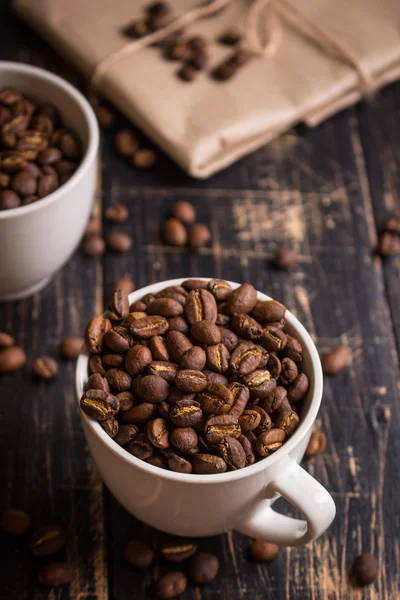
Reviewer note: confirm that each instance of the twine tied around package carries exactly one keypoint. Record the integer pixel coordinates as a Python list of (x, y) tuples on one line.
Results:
[(262, 36)]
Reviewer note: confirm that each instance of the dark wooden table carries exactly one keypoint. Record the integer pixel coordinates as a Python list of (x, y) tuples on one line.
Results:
[(325, 192)]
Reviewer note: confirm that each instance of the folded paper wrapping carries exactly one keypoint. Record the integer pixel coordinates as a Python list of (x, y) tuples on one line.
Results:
[(206, 125)]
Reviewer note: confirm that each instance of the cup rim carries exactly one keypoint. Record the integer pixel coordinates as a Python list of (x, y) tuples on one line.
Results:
[(81, 377), (93, 136)]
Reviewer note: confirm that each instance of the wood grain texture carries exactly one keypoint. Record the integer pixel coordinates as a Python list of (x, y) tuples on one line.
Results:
[(324, 192)]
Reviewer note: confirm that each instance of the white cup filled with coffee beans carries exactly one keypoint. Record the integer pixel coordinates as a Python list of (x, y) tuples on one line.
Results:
[(198, 399), (48, 147)]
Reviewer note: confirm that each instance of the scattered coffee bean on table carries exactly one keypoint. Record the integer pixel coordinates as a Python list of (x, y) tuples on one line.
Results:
[(198, 236), (184, 211), (317, 444), (45, 367), (119, 242), (171, 585), (285, 258), (6, 341), (48, 540), (11, 359), (230, 37), (92, 228), (203, 568), (260, 550), (56, 574), (118, 213), (143, 159), (216, 391), (365, 569), (175, 232), (138, 554), (126, 142), (70, 347), (389, 244), (104, 116), (93, 246), (335, 360), (15, 521), (38, 154)]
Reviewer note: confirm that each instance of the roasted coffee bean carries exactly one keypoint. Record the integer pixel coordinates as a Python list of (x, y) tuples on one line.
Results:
[(245, 359), (249, 420), (47, 540), (92, 228), (270, 441), (206, 332), (208, 464), (98, 382), (176, 395), (190, 381), (186, 413), (215, 398), (118, 339), (222, 426), (140, 414), (176, 292), (6, 341), (203, 568), (113, 360), (93, 246), (198, 60), (260, 383), (147, 327), (137, 306), (166, 307), (267, 311), (94, 333), (198, 236), (49, 156), (224, 71), (45, 367), (159, 348), (71, 347), (13, 164), (213, 377), (137, 359), (158, 433), (241, 395), (141, 447), (335, 360), (298, 389), (11, 359), (293, 349), (126, 400), (144, 158), (126, 142), (184, 211), (177, 50), (273, 400), (389, 244), (248, 450), (287, 421), (10, 96), (178, 324), (120, 304), (5, 181), (232, 452), (265, 420), (175, 233), (223, 320), (125, 284), (104, 116), (272, 339), (171, 585), (184, 438), (56, 574), (246, 327), (164, 369), (118, 380), (178, 551), (274, 366), (289, 371), (153, 388), (24, 184), (96, 365), (163, 409), (178, 344), (179, 464), (187, 72), (138, 554), (229, 339), (285, 258), (195, 284), (110, 427), (9, 199), (261, 551), (317, 444), (365, 569), (15, 521), (126, 434), (99, 404), (200, 306), (194, 359), (241, 300), (218, 358), (119, 242), (136, 29)]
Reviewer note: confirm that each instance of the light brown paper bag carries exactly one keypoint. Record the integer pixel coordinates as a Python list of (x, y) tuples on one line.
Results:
[(206, 125)]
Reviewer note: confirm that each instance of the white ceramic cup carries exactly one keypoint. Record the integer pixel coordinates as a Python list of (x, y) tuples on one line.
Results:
[(37, 239), (204, 505)]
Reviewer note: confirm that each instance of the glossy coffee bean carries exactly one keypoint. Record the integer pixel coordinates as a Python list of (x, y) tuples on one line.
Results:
[(45, 367), (248, 449), (147, 327), (70, 347), (186, 413), (11, 359), (203, 568), (190, 381), (245, 358), (272, 339), (289, 371), (221, 426), (194, 359), (218, 358), (335, 360), (249, 420), (171, 585), (365, 569), (262, 551), (110, 426), (260, 383), (47, 540), (245, 326), (270, 441), (184, 211), (293, 349), (184, 438), (215, 398), (178, 464), (178, 344), (99, 405), (158, 433), (241, 395), (178, 551), (138, 554), (206, 332), (231, 450), (267, 311), (94, 333), (158, 348), (175, 233), (140, 414), (316, 445), (229, 339), (126, 434), (141, 447), (200, 305), (153, 388), (241, 300), (98, 382), (208, 464), (298, 389)]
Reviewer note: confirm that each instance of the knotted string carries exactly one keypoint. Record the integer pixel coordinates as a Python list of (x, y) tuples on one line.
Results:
[(263, 44)]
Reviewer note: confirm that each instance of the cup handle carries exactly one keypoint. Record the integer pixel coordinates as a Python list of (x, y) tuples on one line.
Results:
[(306, 494)]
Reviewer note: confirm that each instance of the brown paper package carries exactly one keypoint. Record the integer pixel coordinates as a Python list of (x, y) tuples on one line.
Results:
[(206, 125)]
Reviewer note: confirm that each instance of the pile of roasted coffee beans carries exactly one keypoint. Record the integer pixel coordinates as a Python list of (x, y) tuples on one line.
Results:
[(198, 378), (181, 230), (389, 242), (190, 52), (37, 153)]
